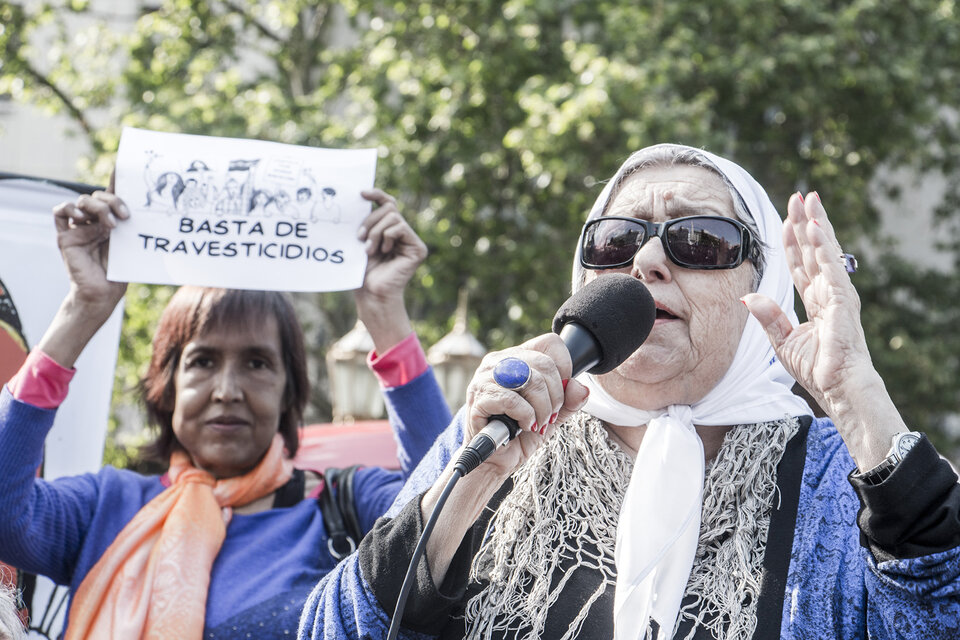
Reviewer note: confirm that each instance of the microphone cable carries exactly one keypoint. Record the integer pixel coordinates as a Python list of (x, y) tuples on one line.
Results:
[(467, 462)]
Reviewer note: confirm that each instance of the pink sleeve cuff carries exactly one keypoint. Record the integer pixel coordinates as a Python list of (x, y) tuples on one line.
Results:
[(401, 363), (41, 382)]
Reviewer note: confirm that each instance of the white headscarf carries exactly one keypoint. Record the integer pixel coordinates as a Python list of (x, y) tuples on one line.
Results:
[(660, 519)]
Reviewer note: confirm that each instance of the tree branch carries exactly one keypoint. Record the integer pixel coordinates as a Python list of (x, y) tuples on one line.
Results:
[(319, 18), (78, 115), (259, 26), (314, 41), (11, 51)]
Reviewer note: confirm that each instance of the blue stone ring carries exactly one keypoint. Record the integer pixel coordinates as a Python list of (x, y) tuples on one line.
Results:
[(511, 373)]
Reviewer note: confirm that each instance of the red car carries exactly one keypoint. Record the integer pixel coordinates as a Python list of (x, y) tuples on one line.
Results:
[(369, 443)]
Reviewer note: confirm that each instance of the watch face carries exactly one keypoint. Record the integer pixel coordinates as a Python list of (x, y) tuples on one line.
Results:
[(905, 442)]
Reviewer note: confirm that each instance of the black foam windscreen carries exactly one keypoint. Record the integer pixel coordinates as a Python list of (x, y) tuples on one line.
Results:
[(617, 310)]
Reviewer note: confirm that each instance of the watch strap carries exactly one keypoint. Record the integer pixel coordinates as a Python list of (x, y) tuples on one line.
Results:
[(882, 471)]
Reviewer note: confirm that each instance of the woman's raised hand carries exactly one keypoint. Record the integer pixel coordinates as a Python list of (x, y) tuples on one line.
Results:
[(83, 235), (545, 400), (828, 350), (394, 251), (828, 353)]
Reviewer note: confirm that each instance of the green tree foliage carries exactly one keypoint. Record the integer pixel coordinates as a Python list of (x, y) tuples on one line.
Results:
[(498, 121)]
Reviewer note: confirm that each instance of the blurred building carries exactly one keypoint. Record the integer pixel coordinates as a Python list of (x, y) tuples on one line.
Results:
[(36, 143)]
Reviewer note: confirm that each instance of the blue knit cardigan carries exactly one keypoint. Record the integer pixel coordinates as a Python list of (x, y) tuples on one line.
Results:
[(834, 587)]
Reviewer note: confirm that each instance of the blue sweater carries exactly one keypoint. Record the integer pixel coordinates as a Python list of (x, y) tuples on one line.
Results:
[(838, 584), (269, 560)]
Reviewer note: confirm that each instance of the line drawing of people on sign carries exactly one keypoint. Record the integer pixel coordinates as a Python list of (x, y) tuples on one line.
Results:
[(306, 197), (230, 201), (279, 204), (237, 188), (266, 204), (327, 209), (13, 344), (164, 189), (302, 209), (268, 187), (257, 207), (199, 189)]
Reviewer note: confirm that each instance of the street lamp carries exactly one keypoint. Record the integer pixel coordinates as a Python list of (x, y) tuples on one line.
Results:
[(456, 356), (354, 390)]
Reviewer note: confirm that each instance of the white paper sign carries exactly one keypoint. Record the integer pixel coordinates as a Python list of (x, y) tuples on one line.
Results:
[(240, 214)]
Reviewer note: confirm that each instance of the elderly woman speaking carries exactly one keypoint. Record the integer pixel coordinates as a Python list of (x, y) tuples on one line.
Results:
[(688, 493)]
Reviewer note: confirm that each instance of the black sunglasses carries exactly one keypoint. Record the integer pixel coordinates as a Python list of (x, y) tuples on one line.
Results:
[(694, 242)]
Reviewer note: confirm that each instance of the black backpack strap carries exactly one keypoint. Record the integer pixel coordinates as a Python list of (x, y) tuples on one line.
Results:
[(291, 493), (339, 512), (348, 506)]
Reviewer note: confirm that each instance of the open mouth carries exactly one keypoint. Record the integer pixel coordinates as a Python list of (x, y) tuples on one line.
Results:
[(663, 314)]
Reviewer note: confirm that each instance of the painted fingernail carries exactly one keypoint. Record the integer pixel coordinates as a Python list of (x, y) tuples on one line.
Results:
[(534, 427), (743, 301), (800, 195), (543, 429), (818, 196), (564, 383), (553, 418), (815, 221)]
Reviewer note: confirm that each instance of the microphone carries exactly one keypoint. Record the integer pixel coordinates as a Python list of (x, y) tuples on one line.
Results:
[(601, 325)]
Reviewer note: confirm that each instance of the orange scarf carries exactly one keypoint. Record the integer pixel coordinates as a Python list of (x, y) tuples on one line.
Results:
[(152, 580)]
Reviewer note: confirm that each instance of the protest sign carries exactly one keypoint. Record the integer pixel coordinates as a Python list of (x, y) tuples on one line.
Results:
[(241, 214)]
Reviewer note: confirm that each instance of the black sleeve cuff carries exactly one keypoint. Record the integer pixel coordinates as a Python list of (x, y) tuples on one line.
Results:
[(915, 511), (384, 556)]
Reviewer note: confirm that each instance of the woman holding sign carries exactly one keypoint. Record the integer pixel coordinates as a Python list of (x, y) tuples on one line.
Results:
[(228, 542)]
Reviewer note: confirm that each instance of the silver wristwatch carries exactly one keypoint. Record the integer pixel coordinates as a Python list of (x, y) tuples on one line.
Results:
[(902, 443)]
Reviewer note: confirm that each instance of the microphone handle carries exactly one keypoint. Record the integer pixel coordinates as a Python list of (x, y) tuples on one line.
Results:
[(584, 353), (499, 430)]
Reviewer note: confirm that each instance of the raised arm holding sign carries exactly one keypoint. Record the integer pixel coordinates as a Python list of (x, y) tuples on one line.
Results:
[(229, 541)]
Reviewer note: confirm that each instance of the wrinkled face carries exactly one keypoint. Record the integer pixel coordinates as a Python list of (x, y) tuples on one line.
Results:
[(229, 397), (699, 314)]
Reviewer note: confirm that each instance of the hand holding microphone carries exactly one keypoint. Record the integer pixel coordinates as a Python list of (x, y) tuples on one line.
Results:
[(517, 394), (521, 390)]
